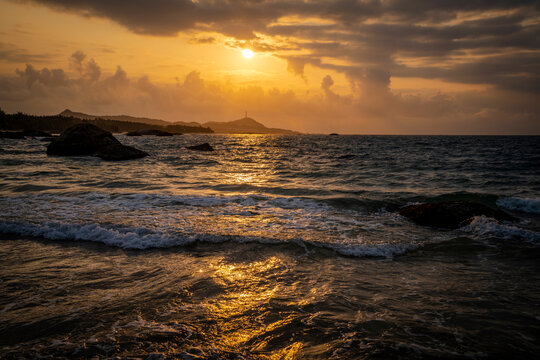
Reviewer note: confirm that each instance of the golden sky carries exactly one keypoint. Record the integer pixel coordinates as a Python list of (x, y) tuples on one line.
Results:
[(365, 67)]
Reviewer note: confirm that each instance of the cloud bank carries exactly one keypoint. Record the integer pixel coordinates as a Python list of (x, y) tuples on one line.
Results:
[(491, 43), (376, 111), (474, 41)]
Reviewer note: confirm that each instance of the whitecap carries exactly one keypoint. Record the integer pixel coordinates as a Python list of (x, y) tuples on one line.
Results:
[(482, 225), (531, 206)]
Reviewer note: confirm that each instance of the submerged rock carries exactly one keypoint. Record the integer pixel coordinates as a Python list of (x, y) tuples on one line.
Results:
[(451, 214), (88, 139), (201, 147), (153, 132), (115, 152)]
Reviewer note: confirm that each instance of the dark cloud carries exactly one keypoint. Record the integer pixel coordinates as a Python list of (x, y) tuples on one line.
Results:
[(373, 109), (77, 59), (259, 45), (92, 71), (204, 40), (13, 54), (375, 37), (491, 42), (50, 78), (327, 83)]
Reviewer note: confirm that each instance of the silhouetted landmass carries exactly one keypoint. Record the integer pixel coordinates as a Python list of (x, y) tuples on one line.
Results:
[(59, 123), (152, 132), (201, 147), (245, 125), (87, 139), (451, 214), (124, 123), (144, 120)]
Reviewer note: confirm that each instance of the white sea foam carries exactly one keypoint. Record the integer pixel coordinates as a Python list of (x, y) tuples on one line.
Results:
[(92, 232), (376, 250), (142, 221), (482, 225), (140, 239), (531, 206)]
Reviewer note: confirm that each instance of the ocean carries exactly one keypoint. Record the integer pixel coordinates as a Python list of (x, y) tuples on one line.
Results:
[(271, 247)]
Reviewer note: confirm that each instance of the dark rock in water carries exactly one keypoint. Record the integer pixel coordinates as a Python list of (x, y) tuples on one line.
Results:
[(201, 147), (88, 139), (334, 134), (118, 151), (11, 135), (81, 139), (451, 214), (154, 132)]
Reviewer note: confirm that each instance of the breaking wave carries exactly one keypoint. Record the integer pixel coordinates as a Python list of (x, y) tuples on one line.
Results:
[(531, 206)]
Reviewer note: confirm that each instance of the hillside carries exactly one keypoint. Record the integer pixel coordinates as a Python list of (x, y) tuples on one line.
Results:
[(58, 123), (245, 125), (133, 119), (125, 123)]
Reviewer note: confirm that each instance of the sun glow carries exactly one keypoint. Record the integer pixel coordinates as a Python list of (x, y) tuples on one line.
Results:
[(248, 54)]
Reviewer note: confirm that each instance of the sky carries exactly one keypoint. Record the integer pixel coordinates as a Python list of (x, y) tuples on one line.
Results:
[(352, 67)]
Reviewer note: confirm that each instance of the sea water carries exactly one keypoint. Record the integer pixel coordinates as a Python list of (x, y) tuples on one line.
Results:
[(270, 247)]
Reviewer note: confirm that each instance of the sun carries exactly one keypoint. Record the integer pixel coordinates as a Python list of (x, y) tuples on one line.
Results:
[(248, 54)]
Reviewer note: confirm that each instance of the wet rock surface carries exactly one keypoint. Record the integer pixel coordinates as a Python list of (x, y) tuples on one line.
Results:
[(88, 139), (451, 214), (201, 147)]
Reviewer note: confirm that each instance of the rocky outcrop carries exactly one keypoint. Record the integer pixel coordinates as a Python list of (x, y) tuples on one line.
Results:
[(116, 152), (451, 214), (88, 139), (81, 139), (201, 147), (153, 132)]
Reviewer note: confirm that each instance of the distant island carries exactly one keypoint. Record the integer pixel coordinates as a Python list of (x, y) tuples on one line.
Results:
[(126, 118), (59, 123), (245, 125), (125, 123)]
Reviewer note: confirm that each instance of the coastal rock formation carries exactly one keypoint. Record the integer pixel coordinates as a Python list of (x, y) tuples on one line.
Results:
[(118, 151), (201, 147), (88, 139), (81, 139), (451, 214), (245, 125), (154, 132)]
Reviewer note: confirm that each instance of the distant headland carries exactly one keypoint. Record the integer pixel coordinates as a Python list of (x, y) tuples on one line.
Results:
[(125, 123)]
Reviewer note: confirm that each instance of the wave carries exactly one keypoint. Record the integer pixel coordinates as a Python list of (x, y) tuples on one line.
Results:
[(531, 206), (143, 238), (482, 225)]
